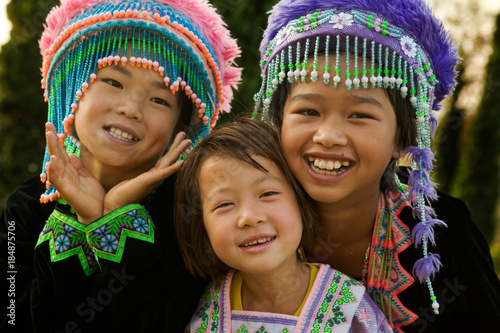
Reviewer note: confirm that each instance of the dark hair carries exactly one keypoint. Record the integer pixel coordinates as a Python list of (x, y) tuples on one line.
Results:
[(239, 140), (406, 132)]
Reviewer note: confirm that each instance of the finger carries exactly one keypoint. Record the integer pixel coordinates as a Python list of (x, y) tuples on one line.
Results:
[(51, 169), (54, 146), (178, 146), (79, 166), (173, 154)]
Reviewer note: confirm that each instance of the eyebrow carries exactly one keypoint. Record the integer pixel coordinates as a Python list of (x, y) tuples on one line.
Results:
[(364, 100), (226, 189), (125, 71), (353, 98), (121, 69)]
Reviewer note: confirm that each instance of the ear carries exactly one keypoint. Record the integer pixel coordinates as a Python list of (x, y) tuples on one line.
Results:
[(397, 152)]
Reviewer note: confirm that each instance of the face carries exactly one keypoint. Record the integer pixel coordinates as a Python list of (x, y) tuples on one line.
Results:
[(338, 143), (251, 217), (125, 120)]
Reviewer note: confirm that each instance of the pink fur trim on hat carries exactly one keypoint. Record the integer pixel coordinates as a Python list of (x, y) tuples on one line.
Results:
[(200, 12)]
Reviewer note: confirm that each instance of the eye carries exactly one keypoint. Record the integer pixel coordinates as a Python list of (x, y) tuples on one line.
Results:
[(113, 83), (223, 205), (309, 113), (361, 116), (160, 101), (268, 194)]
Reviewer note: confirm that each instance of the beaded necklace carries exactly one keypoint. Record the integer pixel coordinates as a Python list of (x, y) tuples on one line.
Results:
[(364, 270)]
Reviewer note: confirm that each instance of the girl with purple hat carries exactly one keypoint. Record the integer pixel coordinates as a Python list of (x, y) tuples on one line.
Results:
[(351, 87)]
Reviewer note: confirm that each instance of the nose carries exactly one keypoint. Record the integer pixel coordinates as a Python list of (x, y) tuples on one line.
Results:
[(250, 215), (131, 105), (330, 133)]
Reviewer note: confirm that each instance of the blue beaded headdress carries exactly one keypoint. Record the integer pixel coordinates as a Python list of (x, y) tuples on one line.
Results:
[(410, 51), (185, 42)]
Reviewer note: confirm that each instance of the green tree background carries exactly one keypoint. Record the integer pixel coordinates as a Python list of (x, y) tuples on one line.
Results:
[(477, 179), (468, 157)]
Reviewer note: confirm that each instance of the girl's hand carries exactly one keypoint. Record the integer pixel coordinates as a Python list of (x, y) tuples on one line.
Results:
[(77, 186), (136, 189)]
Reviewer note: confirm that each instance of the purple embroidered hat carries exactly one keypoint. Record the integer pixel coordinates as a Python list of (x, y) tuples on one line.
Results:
[(412, 52)]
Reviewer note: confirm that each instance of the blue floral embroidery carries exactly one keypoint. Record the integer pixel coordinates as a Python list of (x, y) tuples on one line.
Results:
[(68, 228), (109, 243), (108, 236), (100, 230), (91, 259), (62, 243), (141, 225), (66, 239)]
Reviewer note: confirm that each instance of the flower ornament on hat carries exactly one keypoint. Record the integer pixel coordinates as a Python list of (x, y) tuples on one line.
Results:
[(184, 41), (409, 50)]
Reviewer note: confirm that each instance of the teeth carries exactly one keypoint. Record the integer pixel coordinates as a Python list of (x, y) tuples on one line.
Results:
[(119, 134), (328, 167), (259, 241)]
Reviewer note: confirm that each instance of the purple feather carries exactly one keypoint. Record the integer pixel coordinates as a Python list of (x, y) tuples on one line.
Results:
[(433, 123), (415, 16), (425, 268), (429, 212), (415, 177), (426, 228), (423, 155), (418, 190)]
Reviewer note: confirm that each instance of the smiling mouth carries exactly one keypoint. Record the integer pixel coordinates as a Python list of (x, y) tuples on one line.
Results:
[(328, 167), (119, 134), (258, 241)]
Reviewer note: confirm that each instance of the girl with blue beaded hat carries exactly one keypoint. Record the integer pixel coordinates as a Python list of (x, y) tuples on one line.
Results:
[(351, 87), (132, 87)]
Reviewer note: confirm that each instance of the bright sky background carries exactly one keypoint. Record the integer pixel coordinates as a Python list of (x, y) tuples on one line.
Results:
[(5, 25)]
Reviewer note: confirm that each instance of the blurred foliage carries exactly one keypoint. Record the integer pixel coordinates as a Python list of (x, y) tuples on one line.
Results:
[(23, 112), (246, 20), (477, 180), (22, 109), (447, 144)]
